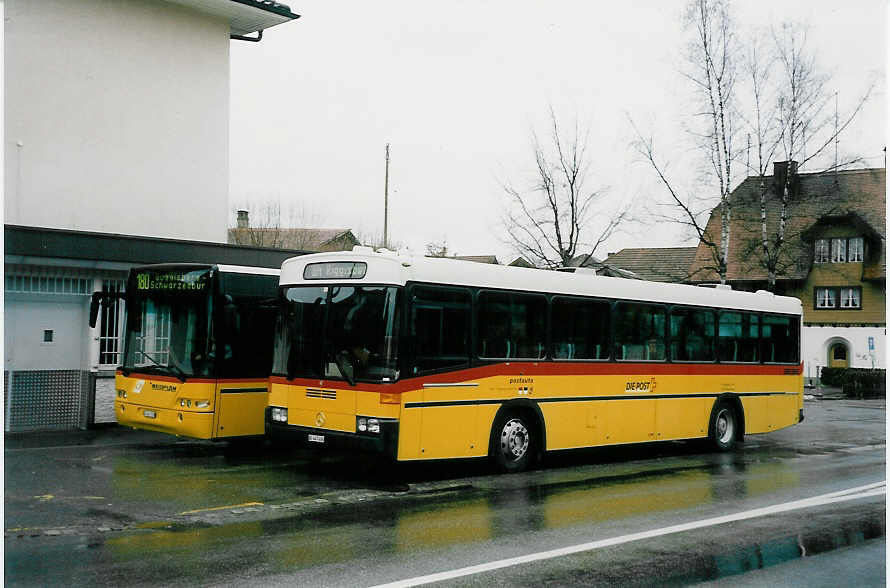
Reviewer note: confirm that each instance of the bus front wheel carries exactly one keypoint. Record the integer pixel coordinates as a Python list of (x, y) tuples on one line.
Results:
[(512, 446), (724, 426)]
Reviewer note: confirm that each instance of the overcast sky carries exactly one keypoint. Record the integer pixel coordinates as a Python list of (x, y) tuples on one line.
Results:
[(457, 87)]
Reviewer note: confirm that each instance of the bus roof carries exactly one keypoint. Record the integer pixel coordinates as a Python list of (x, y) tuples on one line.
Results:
[(231, 269), (388, 268)]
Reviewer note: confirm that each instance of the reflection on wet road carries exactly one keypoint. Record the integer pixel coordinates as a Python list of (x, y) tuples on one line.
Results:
[(194, 513)]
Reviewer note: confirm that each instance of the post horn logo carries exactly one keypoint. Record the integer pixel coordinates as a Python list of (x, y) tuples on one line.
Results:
[(320, 419)]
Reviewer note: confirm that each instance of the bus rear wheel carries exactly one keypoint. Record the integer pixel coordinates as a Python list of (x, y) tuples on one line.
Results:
[(513, 443), (724, 426)]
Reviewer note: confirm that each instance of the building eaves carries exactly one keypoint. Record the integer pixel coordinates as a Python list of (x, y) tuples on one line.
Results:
[(40, 242), (244, 16)]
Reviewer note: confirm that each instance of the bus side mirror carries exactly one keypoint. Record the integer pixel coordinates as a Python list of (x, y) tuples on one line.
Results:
[(94, 308)]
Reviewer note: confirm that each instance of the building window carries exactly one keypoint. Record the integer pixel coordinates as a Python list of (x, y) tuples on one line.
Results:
[(825, 298), (47, 335), (856, 250), (851, 297), (110, 326), (821, 251), (838, 250), (48, 285)]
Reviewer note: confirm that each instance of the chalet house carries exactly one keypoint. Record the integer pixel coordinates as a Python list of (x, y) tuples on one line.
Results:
[(833, 258)]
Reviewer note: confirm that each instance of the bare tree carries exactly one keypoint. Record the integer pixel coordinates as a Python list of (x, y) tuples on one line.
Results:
[(781, 99), (793, 119), (437, 248), (547, 222), (711, 70)]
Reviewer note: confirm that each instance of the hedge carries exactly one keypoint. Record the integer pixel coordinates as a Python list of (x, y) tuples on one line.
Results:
[(857, 382)]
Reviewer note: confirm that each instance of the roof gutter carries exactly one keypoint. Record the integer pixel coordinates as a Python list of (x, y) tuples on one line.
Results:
[(256, 39)]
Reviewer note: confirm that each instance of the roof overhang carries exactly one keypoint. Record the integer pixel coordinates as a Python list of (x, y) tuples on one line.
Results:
[(244, 16), (850, 217)]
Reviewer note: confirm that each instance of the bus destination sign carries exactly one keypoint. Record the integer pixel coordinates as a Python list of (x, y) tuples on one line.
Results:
[(336, 270), (173, 281)]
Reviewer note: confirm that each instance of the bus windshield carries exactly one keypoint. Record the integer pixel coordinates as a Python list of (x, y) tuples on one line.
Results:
[(169, 325), (348, 332)]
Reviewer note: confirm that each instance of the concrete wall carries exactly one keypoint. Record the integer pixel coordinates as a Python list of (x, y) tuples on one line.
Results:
[(815, 342), (26, 319), (116, 118)]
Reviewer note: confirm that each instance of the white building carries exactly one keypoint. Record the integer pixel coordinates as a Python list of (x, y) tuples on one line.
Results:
[(116, 128)]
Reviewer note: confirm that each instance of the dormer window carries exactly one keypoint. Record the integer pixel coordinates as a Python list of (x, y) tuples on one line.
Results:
[(856, 249), (821, 251), (838, 250)]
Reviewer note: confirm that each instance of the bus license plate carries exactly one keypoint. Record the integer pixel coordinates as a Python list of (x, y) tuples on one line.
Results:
[(316, 438), (149, 414)]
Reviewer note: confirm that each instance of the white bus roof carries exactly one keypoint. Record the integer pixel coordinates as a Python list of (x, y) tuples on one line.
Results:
[(243, 269), (388, 268)]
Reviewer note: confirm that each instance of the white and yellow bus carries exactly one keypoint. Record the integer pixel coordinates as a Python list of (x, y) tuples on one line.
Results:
[(197, 349), (424, 358)]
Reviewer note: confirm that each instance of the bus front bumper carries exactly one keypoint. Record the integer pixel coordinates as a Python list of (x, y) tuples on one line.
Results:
[(384, 443), (198, 425)]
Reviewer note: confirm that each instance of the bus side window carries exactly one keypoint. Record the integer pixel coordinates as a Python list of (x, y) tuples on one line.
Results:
[(692, 334), (737, 337), (639, 332), (780, 338), (440, 328), (580, 328), (512, 325)]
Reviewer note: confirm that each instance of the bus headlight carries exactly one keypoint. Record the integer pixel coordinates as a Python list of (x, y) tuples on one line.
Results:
[(366, 425), (121, 393), (279, 414), (202, 403)]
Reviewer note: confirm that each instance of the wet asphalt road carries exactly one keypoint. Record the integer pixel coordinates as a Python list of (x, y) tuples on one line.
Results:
[(116, 507)]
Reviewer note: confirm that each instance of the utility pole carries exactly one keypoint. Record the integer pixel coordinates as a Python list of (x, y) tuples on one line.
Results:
[(386, 199)]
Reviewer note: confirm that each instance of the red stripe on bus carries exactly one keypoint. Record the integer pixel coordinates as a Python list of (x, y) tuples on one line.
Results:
[(557, 369), (190, 379)]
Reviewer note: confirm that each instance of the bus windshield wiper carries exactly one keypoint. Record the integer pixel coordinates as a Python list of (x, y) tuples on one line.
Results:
[(174, 363), (180, 372)]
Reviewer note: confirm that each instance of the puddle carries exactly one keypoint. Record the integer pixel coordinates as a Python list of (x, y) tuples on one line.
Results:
[(786, 549)]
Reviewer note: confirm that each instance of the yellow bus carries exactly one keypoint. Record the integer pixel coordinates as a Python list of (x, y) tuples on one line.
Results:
[(197, 349), (424, 358)]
